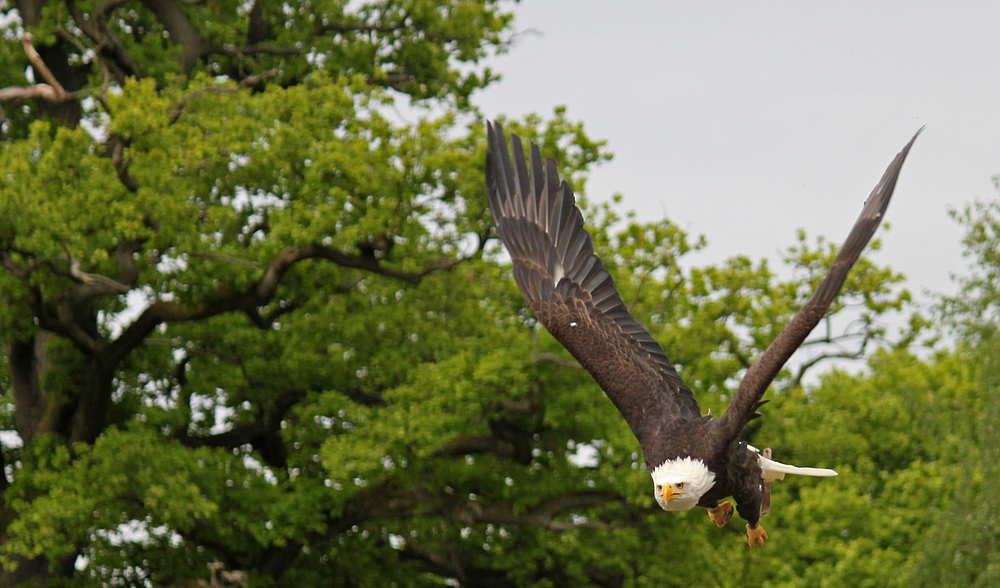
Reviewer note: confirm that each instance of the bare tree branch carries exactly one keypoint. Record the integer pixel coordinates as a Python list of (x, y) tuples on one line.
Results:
[(859, 354), (101, 60), (51, 91), (99, 285), (95, 285), (44, 91), (39, 64)]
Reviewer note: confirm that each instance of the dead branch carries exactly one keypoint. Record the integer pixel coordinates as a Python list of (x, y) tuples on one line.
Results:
[(39, 64), (859, 354), (43, 91), (101, 284), (52, 90), (94, 285)]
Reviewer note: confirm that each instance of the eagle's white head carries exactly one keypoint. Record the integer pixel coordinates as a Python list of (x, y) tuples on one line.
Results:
[(679, 484)]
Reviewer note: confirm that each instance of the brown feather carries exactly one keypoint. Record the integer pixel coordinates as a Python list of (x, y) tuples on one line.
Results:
[(572, 294), (743, 407)]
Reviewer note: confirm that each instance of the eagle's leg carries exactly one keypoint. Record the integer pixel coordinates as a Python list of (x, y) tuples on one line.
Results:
[(756, 535), (721, 514)]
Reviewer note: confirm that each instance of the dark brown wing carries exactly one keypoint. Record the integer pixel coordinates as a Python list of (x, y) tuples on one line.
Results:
[(744, 405), (572, 294)]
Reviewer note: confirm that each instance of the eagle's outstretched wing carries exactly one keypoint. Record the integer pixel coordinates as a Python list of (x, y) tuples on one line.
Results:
[(744, 405), (572, 294)]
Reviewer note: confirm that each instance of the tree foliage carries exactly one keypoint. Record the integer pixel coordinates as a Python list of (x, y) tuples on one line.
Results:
[(964, 547), (250, 317)]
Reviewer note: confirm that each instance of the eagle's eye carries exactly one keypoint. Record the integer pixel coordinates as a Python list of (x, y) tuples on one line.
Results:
[(680, 485), (659, 488)]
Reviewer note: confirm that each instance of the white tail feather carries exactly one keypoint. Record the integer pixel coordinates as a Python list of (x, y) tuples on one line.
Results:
[(775, 470)]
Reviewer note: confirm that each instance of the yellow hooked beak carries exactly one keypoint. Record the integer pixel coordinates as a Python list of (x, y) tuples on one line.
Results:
[(669, 492)]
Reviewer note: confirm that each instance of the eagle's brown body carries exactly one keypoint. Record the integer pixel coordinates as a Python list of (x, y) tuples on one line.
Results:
[(572, 294)]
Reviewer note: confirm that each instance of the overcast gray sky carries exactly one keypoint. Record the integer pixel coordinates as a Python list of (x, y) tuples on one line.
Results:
[(746, 121)]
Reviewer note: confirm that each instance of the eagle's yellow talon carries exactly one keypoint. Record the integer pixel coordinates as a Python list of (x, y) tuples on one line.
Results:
[(756, 536), (721, 514)]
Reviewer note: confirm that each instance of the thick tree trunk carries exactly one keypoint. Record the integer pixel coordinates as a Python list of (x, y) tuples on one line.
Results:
[(31, 12), (28, 363), (91, 412), (36, 572), (182, 32), (39, 411)]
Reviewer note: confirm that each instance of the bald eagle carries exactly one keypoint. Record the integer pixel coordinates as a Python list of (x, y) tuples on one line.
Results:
[(693, 459)]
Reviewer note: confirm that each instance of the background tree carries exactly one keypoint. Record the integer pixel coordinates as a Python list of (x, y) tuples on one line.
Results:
[(250, 318), (181, 163), (964, 548)]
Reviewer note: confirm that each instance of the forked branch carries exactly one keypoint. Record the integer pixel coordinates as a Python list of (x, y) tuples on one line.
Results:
[(51, 90)]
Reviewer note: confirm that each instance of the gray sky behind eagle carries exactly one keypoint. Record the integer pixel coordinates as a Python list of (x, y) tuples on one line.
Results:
[(747, 121)]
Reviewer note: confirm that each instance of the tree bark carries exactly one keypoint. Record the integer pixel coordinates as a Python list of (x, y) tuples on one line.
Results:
[(182, 32), (27, 362)]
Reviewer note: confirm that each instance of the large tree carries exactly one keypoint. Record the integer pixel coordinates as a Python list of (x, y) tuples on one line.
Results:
[(185, 182), (251, 317)]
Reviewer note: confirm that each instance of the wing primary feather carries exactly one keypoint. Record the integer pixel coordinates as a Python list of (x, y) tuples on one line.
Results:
[(746, 401), (522, 181), (538, 188), (508, 179), (574, 241), (571, 292), (563, 202)]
